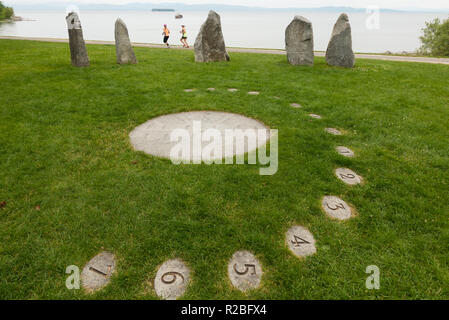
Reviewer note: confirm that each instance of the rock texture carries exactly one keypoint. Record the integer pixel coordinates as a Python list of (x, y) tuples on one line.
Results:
[(299, 42), (123, 48), (209, 44), (78, 50), (339, 52)]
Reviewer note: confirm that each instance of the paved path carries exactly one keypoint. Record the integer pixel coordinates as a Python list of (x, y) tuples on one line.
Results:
[(266, 51)]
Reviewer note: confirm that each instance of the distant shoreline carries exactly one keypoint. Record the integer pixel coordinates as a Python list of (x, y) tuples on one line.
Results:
[(371, 56)]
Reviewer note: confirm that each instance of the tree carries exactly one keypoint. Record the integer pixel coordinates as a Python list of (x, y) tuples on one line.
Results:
[(5, 12), (435, 40)]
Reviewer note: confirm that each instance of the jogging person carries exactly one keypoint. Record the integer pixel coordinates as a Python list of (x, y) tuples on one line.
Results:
[(166, 34), (183, 33)]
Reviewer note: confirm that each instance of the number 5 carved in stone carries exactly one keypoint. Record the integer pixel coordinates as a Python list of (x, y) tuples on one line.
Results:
[(247, 267)]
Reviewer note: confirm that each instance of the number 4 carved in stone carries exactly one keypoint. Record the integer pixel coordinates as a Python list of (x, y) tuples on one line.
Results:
[(299, 241)]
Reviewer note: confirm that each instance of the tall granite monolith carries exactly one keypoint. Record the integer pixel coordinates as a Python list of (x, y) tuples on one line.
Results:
[(339, 52), (123, 47), (78, 50), (209, 44), (299, 42)]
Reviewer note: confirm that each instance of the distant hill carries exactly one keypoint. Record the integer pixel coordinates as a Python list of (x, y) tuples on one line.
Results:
[(185, 7)]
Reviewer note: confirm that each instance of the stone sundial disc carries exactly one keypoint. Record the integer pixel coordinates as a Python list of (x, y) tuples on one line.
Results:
[(98, 271), (154, 136), (172, 279), (244, 271)]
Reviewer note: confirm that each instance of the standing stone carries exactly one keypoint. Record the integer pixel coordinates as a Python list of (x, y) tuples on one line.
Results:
[(209, 44), (123, 48), (78, 50), (339, 52), (299, 42)]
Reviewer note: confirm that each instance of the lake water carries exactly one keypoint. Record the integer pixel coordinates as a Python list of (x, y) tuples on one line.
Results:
[(397, 31)]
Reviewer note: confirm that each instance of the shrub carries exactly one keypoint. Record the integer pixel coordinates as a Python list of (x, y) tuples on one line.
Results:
[(5, 12), (435, 40)]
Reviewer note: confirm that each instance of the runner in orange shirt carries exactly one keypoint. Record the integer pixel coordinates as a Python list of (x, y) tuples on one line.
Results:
[(166, 34)]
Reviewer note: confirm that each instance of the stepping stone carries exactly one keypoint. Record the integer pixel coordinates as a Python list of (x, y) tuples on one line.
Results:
[(300, 241), (346, 152), (244, 271), (98, 271), (295, 105), (233, 90), (210, 89), (333, 131), (172, 279), (348, 176), (189, 90), (315, 116), (254, 93), (153, 137), (336, 208)]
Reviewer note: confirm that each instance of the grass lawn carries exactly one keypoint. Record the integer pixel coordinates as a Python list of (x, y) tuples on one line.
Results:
[(74, 186)]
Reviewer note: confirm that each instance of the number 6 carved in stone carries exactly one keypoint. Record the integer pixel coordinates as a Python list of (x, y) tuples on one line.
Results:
[(173, 275)]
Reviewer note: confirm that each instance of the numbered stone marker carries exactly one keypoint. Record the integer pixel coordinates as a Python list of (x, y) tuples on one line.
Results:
[(98, 271), (315, 116), (244, 271), (189, 90), (172, 279), (253, 93), (336, 208), (295, 105), (233, 90), (346, 152), (348, 176), (300, 241), (333, 131)]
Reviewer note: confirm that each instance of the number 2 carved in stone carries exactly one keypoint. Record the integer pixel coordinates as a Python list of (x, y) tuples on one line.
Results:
[(347, 176), (299, 241), (247, 267), (338, 206)]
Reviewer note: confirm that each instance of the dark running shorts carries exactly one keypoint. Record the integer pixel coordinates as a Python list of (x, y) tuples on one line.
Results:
[(183, 38), (166, 39)]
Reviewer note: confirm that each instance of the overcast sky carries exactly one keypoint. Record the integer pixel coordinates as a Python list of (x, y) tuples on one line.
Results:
[(396, 4)]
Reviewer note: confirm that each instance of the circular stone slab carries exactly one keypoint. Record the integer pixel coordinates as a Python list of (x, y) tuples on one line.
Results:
[(348, 176), (98, 271), (333, 131), (336, 208), (346, 152), (153, 137), (315, 116), (233, 90), (189, 90), (300, 241), (253, 93), (295, 105), (244, 271), (172, 279)]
